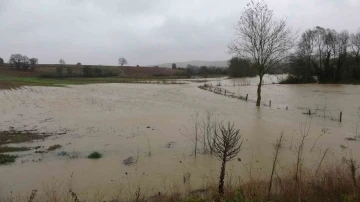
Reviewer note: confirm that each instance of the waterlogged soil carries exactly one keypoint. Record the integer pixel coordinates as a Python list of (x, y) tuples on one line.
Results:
[(151, 124)]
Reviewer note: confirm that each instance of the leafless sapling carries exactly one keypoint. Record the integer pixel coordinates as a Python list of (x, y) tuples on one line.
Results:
[(226, 146)]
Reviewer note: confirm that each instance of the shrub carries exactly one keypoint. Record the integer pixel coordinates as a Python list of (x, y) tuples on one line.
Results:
[(95, 155)]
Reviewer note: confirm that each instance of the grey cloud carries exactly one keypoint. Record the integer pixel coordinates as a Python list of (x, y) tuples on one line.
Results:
[(145, 32)]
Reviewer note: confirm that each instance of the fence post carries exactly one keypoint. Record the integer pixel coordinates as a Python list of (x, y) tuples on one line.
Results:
[(246, 97), (270, 103), (340, 116)]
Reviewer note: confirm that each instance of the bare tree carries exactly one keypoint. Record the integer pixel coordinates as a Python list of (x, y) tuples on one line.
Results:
[(342, 44), (277, 147), (194, 133), (355, 44), (33, 63), (62, 62), (226, 146), (122, 61), (19, 61), (262, 40)]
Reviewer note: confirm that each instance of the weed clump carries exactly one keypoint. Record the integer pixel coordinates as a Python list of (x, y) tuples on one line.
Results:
[(129, 161), (95, 155), (54, 147)]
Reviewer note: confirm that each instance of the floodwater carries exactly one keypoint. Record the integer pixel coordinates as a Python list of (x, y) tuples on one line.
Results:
[(152, 124)]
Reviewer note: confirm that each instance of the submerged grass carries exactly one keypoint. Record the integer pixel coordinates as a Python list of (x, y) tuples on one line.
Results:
[(13, 82), (5, 158), (13, 149), (13, 137)]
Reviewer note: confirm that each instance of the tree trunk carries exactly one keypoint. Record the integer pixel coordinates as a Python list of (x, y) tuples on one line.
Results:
[(258, 101), (222, 176)]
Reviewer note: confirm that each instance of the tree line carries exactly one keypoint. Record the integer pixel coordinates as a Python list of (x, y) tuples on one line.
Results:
[(326, 56), (237, 68), (21, 62)]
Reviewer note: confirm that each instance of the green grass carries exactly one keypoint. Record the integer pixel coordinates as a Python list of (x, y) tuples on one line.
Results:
[(13, 149), (5, 159), (95, 155)]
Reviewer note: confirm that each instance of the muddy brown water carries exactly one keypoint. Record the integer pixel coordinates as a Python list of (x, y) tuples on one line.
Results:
[(123, 120)]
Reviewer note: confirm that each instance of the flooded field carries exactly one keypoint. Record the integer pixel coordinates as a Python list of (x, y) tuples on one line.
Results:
[(148, 125)]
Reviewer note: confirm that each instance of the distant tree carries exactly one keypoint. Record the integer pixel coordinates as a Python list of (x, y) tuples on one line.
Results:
[(173, 66), (341, 52), (1, 61), (19, 61), (122, 61), (33, 63), (62, 62), (78, 64), (241, 68), (262, 40), (355, 47), (355, 44), (204, 70), (192, 70), (15, 60)]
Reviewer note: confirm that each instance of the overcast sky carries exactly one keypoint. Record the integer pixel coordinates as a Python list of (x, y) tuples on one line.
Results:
[(146, 32)]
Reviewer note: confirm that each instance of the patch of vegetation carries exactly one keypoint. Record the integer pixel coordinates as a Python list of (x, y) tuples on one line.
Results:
[(54, 147), (13, 149), (72, 155), (129, 161), (95, 155), (13, 137), (5, 159)]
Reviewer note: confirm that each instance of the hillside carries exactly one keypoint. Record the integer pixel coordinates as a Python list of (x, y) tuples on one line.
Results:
[(223, 63)]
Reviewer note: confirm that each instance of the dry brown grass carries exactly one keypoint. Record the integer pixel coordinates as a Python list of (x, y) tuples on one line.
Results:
[(332, 183)]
